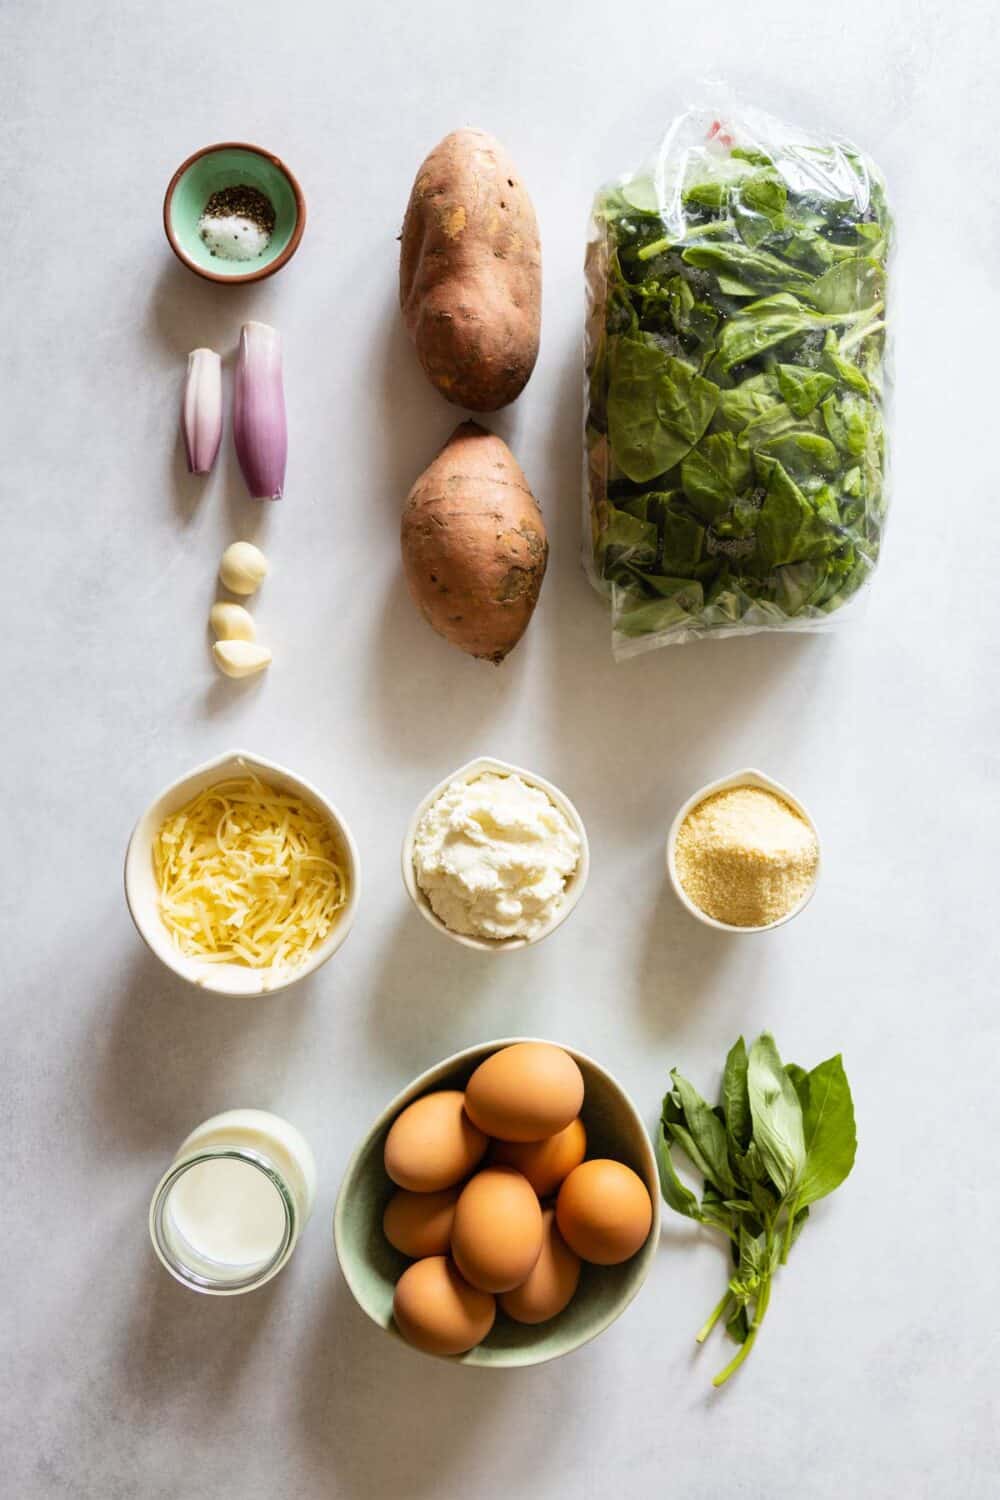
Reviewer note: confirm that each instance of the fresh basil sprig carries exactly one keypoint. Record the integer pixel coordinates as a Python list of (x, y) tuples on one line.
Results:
[(779, 1139)]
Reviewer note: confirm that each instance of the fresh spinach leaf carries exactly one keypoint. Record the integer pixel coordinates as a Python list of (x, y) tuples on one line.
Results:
[(788, 528), (757, 268), (803, 388), (714, 474), (658, 408), (848, 286), (761, 325)]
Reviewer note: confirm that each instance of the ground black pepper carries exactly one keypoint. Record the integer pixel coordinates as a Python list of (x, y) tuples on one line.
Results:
[(246, 202)]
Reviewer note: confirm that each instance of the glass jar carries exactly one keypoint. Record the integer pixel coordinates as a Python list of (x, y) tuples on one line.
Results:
[(228, 1212)]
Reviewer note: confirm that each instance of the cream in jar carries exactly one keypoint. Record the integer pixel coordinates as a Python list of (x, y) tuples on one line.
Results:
[(228, 1213)]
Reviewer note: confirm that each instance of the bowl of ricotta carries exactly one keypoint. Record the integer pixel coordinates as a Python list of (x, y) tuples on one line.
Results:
[(495, 857)]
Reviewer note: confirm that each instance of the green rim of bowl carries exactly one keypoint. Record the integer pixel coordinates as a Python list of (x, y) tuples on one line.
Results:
[(371, 1267), (230, 164)]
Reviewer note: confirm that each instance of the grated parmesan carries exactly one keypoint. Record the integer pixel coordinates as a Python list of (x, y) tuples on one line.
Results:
[(746, 857), (248, 875)]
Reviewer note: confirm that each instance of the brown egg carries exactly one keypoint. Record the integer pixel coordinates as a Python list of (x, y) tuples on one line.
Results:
[(497, 1233), (433, 1144), (419, 1224), (438, 1311), (604, 1212), (525, 1092), (545, 1163), (552, 1282)]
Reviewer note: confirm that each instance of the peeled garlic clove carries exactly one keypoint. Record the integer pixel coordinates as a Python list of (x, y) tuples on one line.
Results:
[(243, 568), (231, 622), (240, 658), (201, 414), (260, 430)]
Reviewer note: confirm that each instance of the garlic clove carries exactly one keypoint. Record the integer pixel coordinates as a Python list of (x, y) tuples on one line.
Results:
[(231, 622), (243, 568), (260, 430), (201, 413), (240, 658)]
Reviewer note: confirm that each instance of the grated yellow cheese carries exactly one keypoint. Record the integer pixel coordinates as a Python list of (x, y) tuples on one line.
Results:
[(746, 857), (249, 875)]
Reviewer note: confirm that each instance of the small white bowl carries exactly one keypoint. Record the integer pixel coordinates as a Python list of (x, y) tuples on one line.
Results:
[(143, 897), (481, 766), (749, 777)]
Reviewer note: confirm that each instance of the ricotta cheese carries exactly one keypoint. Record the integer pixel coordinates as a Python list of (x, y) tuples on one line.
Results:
[(493, 856)]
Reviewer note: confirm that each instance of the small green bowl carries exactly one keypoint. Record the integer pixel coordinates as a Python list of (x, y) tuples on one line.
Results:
[(372, 1267), (232, 164)]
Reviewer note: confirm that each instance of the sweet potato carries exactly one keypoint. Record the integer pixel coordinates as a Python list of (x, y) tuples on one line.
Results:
[(470, 272), (474, 544)]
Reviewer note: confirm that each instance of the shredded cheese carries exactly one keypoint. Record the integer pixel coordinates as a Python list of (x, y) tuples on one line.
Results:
[(249, 875)]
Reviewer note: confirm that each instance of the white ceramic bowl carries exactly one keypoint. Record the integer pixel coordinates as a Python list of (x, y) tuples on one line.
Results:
[(142, 893), (739, 778), (574, 886)]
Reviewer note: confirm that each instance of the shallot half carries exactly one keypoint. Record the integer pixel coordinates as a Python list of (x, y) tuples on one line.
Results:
[(260, 430), (201, 415)]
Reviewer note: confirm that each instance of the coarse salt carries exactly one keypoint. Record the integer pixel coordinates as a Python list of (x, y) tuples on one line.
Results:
[(233, 237)]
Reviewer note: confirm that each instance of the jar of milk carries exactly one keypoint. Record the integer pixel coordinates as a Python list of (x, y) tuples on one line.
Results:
[(228, 1213)]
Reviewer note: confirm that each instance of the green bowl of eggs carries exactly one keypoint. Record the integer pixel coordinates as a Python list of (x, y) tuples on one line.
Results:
[(503, 1210)]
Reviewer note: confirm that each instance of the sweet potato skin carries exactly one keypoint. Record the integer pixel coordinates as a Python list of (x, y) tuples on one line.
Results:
[(470, 272), (474, 545)]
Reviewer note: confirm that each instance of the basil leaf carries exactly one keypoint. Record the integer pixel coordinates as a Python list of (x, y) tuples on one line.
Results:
[(675, 1193), (798, 1224), (738, 1327), (765, 1201), (829, 1131), (752, 1163), (777, 1115), (707, 1133), (735, 1099), (658, 408)]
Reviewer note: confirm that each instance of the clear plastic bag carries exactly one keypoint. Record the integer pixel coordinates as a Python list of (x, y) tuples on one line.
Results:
[(736, 382)]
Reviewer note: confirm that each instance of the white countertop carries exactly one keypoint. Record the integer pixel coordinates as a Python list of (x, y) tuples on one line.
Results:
[(875, 1375)]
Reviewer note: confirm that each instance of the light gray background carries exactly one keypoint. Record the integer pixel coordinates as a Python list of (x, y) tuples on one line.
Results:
[(876, 1373)]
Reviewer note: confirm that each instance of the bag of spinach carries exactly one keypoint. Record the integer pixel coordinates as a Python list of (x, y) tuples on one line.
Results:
[(736, 345)]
